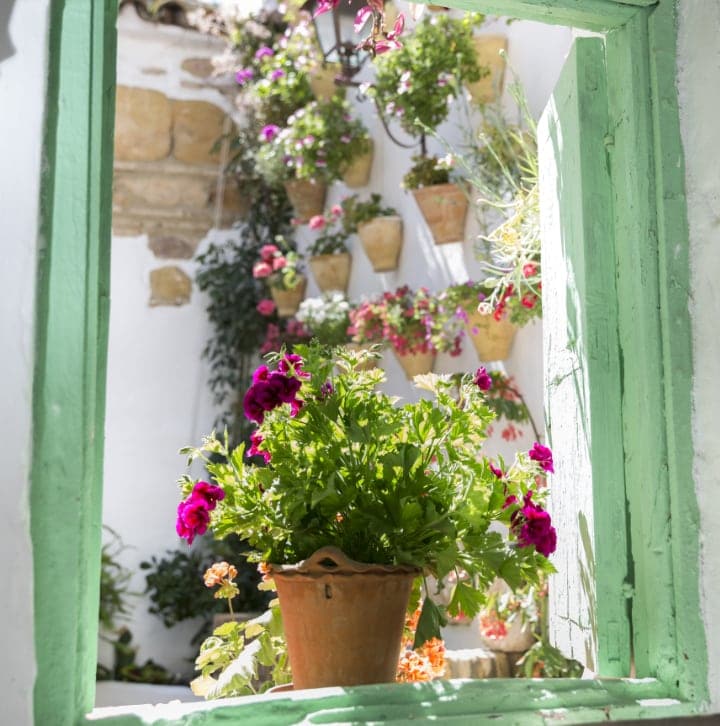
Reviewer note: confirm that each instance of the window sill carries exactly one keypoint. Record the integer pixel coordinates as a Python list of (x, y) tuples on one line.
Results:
[(515, 701)]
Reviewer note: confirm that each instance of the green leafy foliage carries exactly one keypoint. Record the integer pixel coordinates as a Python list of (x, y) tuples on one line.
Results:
[(385, 483), (426, 171), (413, 83), (114, 579), (356, 211)]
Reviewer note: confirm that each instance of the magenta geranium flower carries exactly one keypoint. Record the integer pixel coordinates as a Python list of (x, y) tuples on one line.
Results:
[(264, 52), (262, 269), (255, 440), (277, 74), (532, 525), (267, 252), (244, 75), (193, 513), (209, 493), (265, 307), (270, 131), (317, 222), (482, 379), (543, 456)]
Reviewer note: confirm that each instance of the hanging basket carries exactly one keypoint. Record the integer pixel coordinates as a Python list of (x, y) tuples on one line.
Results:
[(331, 272), (382, 240), (288, 301), (307, 197), (343, 619), (322, 81), (487, 52), (492, 338), (444, 207), (416, 364), (358, 172)]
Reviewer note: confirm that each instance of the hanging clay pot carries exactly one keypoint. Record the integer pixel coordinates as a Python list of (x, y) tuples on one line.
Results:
[(487, 52), (444, 207), (343, 620), (382, 240), (492, 338), (416, 364), (322, 81), (307, 197), (331, 272), (358, 173), (288, 301)]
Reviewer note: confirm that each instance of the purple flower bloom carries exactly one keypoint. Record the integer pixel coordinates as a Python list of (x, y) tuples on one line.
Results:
[(255, 440), (193, 517), (292, 363), (209, 493), (262, 373), (270, 131), (532, 526), (277, 74), (543, 456), (284, 387), (326, 389), (482, 379), (244, 75), (253, 409), (264, 52), (499, 474)]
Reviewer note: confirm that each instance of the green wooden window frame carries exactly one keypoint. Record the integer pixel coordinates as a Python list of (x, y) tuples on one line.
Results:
[(651, 259)]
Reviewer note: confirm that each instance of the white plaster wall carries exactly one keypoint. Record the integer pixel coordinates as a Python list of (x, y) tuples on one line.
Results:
[(157, 397), (23, 57), (698, 84)]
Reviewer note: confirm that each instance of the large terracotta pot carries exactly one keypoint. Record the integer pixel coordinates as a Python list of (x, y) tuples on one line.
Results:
[(492, 338), (444, 207), (382, 240), (415, 364), (322, 81), (288, 301), (343, 619), (487, 52), (358, 172), (307, 197), (331, 272)]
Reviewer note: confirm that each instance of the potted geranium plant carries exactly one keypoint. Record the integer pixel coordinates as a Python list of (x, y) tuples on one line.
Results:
[(414, 324), (330, 258), (379, 228), (280, 267), (413, 85), (358, 498), (314, 149)]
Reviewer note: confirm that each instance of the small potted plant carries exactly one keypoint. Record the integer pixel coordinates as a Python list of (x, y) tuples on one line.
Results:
[(379, 228), (326, 318), (330, 259), (443, 203), (314, 149), (489, 328), (358, 498), (281, 271)]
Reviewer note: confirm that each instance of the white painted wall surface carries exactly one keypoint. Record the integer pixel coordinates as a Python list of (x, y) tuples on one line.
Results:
[(157, 397), (23, 57), (698, 84)]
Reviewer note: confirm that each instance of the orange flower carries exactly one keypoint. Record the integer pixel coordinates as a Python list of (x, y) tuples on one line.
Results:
[(434, 651), (218, 573), (413, 667)]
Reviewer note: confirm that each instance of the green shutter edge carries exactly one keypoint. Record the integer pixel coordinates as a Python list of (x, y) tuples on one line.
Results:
[(69, 393)]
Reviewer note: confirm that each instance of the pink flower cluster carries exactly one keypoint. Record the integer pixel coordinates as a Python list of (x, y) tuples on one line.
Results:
[(193, 513), (543, 456), (482, 379), (532, 525), (271, 260), (271, 389), (319, 221), (277, 336)]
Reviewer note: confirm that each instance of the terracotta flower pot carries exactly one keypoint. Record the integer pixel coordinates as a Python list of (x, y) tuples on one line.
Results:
[(358, 172), (307, 197), (492, 338), (415, 364), (288, 301), (322, 81), (343, 619), (444, 207), (382, 240), (331, 272), (487, 52)]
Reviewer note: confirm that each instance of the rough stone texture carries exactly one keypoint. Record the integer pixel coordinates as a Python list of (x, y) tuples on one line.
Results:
[(197, 126), (169, 286), (161, 189), (198, 67), (474, 663), (171, 247), (143, 122)]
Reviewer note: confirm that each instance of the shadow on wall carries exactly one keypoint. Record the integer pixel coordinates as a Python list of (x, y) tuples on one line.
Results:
[(7, 49)]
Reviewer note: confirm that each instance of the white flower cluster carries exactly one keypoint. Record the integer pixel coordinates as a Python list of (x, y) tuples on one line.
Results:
[(331, 308)]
